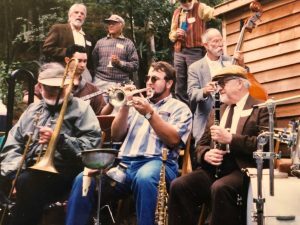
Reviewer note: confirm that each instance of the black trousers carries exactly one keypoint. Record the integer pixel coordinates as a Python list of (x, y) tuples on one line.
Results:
[(35, 189), (187, 193)]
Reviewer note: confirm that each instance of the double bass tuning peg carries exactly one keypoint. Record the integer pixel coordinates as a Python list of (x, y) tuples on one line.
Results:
[(255, 6)]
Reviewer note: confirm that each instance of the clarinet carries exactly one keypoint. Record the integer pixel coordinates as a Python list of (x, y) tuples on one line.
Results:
[(217, 145)]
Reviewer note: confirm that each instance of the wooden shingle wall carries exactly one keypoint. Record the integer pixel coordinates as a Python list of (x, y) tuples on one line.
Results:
[(272, 50)]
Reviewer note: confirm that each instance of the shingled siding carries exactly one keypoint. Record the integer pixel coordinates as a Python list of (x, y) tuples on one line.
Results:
[(272, 50)]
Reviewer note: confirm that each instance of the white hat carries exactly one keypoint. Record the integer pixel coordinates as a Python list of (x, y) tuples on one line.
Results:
[(52, 75), (115, 18)]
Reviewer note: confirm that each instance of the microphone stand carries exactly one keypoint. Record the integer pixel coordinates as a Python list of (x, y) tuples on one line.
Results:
[(259, 155)]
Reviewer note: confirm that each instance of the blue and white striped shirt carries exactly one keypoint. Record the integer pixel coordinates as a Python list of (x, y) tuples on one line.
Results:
[(141, 139)]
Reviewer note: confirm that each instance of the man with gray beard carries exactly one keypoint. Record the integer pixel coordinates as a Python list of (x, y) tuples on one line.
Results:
[(200, 74), (79, 131)]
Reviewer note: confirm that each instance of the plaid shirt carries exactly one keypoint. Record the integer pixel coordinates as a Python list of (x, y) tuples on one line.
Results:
[(124, 49)]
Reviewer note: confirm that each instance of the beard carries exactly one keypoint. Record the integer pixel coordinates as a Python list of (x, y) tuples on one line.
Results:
[(156, 95), (51, 102), (217, 52), (77, 23)]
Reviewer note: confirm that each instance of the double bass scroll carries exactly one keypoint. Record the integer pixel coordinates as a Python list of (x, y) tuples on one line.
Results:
[(256, 90)]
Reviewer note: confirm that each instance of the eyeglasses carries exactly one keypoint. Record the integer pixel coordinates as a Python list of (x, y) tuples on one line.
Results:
[(222, 83), (153, 79)]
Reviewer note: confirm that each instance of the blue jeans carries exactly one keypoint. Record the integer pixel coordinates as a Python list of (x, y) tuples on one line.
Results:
[(142, 177), (182, 60)]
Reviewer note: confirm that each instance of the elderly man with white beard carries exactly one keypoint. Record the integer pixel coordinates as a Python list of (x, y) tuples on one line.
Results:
[(200, 74), (62, 36), (80, 130)]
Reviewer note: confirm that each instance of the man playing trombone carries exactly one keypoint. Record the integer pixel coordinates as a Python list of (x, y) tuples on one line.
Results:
[(145, 129), (79, 130)]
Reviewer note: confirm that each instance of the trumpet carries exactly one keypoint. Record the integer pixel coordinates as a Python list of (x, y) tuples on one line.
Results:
[(118, 96)]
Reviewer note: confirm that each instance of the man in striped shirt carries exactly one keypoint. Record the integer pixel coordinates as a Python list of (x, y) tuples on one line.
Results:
[(114, 56), (145, 129)]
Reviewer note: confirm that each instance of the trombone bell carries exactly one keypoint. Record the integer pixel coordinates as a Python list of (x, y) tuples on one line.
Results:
[(46, 164)]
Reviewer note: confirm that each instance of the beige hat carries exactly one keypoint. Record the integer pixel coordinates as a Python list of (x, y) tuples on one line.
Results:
[(115, 18), (230, 71), (51, 74)]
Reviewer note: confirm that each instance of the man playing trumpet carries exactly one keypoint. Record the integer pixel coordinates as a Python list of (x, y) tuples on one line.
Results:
[(80, 130), (145, 129)]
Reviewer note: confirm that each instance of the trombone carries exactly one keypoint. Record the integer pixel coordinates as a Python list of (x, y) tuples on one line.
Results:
[(46, 163)]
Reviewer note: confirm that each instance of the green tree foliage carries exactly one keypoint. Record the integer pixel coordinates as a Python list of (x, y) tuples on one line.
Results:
[(24, 25)]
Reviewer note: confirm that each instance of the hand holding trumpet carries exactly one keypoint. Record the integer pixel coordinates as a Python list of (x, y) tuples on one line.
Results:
[(142, 105)]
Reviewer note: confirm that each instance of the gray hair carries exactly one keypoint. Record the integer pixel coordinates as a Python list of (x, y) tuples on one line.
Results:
[(246, 83), (208, 34), (74, 6)]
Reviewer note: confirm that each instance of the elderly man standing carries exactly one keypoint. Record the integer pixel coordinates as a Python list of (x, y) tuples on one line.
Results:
[(200, 74), (114, 56), (62, 36), (80, 131), (239, 128), (188, 24)]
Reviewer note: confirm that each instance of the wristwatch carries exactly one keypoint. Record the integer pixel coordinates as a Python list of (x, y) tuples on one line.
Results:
[(148, 116)]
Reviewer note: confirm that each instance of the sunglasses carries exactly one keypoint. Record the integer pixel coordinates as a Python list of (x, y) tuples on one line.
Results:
[(222, 83), (153, 79)]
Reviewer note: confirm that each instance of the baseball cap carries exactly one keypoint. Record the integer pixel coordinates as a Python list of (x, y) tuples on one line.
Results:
[(230, 71), (115, 18), (51, 74)]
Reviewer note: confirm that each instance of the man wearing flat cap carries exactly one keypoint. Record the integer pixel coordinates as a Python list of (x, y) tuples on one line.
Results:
[(80, 130), (219, 180), (115, 57)]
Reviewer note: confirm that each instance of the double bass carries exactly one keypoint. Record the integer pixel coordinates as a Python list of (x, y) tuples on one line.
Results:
[(256, 90)]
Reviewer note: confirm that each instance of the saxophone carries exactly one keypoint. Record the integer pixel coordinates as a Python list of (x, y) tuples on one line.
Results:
[(161, 211)]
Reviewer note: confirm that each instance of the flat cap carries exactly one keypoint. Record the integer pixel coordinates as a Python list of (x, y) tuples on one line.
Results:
[(115, 18), (52, 75), (230, 71)]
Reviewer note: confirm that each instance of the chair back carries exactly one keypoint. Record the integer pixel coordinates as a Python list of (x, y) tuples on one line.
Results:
[(105, 122), (20, 74)]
